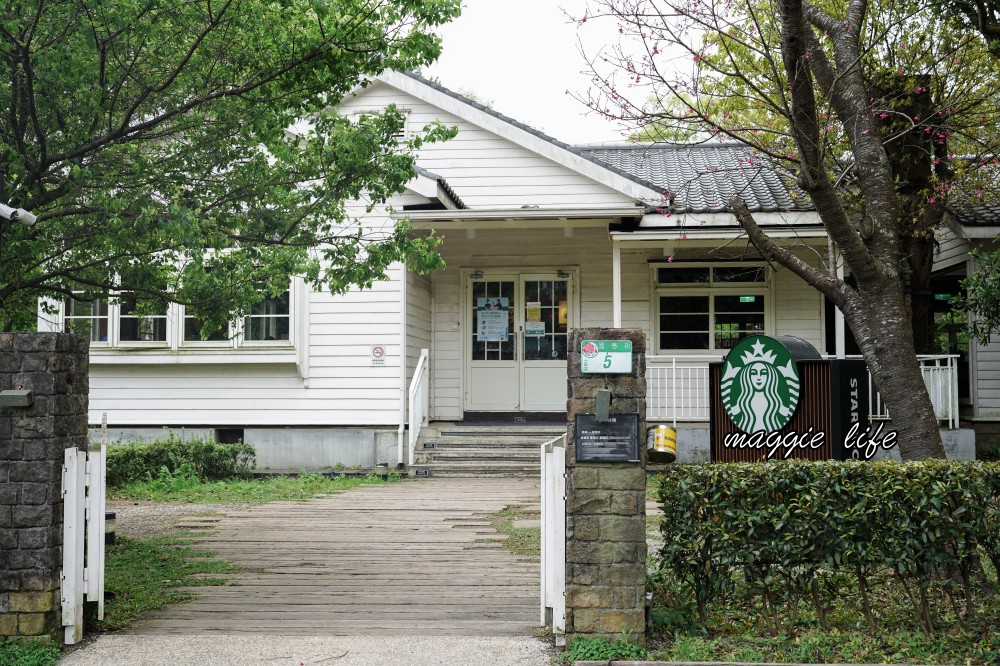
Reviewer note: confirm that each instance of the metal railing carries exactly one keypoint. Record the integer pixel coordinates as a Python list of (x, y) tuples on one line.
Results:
[(419, 400), (940, 374), (553, 570), (677, 388)]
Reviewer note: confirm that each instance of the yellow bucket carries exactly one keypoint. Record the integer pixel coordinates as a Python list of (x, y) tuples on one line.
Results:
[(664, 444)]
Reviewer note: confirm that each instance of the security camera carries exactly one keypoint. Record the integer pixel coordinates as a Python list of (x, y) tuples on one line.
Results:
[(18, 215)]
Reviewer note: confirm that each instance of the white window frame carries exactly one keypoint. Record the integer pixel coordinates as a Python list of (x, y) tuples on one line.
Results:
[(229, 330), (115, 313), (65, 318), (710, 290), (175, 316), (240, 326)]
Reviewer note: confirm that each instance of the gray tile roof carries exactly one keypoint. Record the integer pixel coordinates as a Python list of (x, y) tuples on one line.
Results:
[(701, 178)]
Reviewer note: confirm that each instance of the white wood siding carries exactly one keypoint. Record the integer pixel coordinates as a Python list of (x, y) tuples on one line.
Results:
[(418, 321), (343, 389), (952, 249), (798, 308), (485, 170)]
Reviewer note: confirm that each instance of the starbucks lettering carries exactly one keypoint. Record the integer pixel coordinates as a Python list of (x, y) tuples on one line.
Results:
[(777, 398)]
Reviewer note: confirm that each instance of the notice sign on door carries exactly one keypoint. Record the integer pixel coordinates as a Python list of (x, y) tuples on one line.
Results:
[(492, 324), (606, 356)]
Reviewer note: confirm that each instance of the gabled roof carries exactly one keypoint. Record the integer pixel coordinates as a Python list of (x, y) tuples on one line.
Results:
[(697, 177), (701, 178)]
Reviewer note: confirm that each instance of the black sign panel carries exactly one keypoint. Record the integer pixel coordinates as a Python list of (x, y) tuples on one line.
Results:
[(850, 404), (617, 440)]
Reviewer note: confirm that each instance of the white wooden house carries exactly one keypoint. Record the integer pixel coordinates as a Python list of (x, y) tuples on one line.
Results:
[(554, 236)]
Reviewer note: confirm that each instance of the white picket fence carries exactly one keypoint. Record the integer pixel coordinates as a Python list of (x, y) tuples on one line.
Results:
[(553, 588), (82, 575)]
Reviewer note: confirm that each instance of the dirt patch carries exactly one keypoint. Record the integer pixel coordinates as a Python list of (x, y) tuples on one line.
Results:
[(146, 519)]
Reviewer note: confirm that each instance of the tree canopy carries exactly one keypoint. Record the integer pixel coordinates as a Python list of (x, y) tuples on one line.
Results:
[(880, 112), (191, 151)]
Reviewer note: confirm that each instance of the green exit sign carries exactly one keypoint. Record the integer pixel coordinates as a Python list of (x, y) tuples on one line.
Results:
[(942, 297), (748, 299)]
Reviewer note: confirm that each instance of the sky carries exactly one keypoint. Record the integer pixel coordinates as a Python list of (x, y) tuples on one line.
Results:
[(520, 57)]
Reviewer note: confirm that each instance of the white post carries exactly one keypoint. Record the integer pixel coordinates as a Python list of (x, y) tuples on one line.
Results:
[(616, 284), (403, 387), (839, 331), (559, 539), (94, 572), (74, 481)]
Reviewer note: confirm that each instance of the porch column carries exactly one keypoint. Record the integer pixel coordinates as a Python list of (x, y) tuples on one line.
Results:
[(616, 284)]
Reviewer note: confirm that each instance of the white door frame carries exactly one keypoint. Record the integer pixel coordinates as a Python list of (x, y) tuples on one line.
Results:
[(518, 274)]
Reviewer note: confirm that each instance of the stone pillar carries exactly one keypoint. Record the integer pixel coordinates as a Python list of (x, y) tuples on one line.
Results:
[(606, 504), (53, 366)]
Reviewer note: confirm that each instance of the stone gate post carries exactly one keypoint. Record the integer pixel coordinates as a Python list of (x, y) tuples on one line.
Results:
[(605, 501), (53, 366)]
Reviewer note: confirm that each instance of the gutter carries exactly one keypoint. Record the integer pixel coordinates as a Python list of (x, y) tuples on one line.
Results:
[(512, 214)]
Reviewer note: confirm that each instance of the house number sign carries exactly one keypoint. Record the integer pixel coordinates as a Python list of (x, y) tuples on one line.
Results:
[(600, 357)]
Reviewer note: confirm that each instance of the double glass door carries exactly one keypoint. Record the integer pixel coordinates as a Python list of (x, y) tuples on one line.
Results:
[(517, 343)]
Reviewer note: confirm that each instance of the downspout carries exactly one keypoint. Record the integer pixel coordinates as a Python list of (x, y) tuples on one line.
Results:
[(403, 388)]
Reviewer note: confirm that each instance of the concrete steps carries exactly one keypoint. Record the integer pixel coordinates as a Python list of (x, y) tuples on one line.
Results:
[(460, 450)]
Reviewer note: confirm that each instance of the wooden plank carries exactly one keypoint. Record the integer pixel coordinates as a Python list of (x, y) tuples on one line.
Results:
[(401, 559)]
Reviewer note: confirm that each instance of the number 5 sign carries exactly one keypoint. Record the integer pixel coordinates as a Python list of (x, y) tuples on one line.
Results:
[(606, 356)]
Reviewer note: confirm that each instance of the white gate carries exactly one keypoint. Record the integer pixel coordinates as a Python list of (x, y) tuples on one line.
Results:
[(83, 537), (553, 606)]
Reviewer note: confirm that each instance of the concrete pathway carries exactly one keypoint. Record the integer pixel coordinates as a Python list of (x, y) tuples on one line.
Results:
[(406, 573)]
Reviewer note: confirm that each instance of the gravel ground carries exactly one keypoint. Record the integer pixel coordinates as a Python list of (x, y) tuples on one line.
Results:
[(146, 519), (243, 650)]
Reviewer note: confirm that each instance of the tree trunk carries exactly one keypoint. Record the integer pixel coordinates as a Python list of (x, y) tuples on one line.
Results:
[(891, 358)]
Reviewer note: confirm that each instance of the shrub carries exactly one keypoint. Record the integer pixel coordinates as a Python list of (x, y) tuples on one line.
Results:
[(194, 456), (600, 649), (798, 532)]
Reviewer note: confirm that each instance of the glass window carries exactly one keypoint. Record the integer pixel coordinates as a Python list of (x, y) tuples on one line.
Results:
[(88, 319), (192, 331), (545, 320), (269, 320), (683, 275), (132, 328), (699, 317), (491, 334), (737, 317)]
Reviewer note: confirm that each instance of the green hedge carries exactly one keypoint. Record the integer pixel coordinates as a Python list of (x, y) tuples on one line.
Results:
[(797, 532), (128, 463)]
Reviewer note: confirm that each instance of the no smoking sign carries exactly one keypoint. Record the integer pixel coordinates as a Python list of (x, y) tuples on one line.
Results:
[(378, 355)]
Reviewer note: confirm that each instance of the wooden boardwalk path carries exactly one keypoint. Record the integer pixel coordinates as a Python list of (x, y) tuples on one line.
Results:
[(417, 557)]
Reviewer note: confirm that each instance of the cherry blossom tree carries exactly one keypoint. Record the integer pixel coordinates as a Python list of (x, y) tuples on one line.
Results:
[(875, 111)]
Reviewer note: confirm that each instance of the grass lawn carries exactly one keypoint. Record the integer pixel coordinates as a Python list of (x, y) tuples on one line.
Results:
[(147, 574), (179, 487), (28, 652), (520, 541)]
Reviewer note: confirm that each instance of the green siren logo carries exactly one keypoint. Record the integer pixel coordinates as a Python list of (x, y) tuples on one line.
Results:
[(760, 385)]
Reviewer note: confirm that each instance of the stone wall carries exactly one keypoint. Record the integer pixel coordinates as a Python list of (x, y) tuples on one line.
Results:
[(606, 504), (53, 366)]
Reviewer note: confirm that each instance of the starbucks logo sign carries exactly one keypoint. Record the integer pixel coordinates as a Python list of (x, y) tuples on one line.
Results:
[(760, 385)]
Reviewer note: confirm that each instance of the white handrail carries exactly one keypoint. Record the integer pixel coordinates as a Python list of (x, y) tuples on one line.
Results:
[(419, 398)]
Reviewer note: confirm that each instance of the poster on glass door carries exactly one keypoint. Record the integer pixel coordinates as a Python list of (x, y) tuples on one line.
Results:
[(492, 323)]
